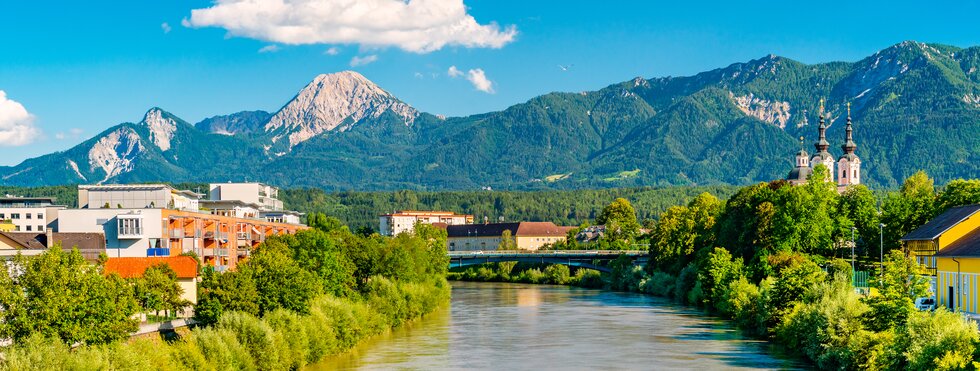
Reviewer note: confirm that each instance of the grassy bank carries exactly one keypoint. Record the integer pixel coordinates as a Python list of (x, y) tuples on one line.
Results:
[(279, 340)]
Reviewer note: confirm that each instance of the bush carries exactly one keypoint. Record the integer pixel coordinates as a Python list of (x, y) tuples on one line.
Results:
[(659, 284), (686, 280), (258, 338), (557, 274), (939, 340), (588, 278), (823, 328)]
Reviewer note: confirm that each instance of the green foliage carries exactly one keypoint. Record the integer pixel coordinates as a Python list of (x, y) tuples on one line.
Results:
[(715, 274), (939, 340), (823, 327), (557, 274), (901, 283), (59, 295), (619, 217), (681, 232), (158, 290)]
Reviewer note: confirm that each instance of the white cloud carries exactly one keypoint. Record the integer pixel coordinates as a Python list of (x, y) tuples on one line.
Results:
[(454, 72), (269, 49), (419, 75), (165, 27), (419, 26), (360, 61), (332, 51), (16, 124), (479, 80), (73, 133)]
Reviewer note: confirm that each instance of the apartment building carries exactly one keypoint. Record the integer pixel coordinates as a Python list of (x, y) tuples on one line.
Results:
[(28, 214), (405, 220), (526, 235), (265, 196), (136, 196)]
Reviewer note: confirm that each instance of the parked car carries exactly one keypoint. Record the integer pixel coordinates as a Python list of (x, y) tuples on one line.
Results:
[(925, 304)]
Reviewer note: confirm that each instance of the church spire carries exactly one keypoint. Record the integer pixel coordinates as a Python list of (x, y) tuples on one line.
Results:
[(822, 144), (849, 145)]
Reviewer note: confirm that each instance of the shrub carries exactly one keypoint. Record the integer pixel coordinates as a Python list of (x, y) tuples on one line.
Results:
[(262, 342), (686, 280), (659, 284), (588, 278), (557, 274), (939, 340), (823, 329)]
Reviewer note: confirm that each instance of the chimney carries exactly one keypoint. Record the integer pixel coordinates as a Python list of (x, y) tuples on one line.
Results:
[(48, 237)]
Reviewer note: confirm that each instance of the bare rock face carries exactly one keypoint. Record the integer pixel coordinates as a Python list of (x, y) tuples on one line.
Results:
[(333, 102), (116, 152), (773, 112), (161, 128)]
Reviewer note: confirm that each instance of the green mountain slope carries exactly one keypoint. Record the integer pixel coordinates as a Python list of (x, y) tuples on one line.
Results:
[(915, 106)]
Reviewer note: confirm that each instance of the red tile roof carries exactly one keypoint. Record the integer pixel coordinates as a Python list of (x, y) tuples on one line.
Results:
[(184, 266)]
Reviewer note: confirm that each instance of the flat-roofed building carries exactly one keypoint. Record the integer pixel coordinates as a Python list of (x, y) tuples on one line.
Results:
[(405, 220), (136, 196), (525, 235), (220, 241), (265, 196), (28, 214)]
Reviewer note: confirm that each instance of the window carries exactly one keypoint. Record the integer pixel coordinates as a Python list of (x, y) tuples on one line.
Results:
[(28, 228), (2, 216), (15, 216), (16, 228), (130, 226), (40, 216), (27, 216), (40, 228)]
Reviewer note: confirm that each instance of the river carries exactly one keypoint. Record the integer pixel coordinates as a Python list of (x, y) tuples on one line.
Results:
[(503, 326)]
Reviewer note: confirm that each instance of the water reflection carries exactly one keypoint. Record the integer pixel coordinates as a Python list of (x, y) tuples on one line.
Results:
[(512, 326)]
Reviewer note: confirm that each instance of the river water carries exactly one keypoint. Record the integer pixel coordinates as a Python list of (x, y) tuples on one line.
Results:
[(501, 326)]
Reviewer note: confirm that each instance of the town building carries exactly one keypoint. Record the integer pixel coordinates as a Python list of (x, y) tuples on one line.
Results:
[(90, 245), (848, 167), (184, 266), (526, 235), (405, 220), (949, 248), (28, 214), (136, 196), (247, 199)]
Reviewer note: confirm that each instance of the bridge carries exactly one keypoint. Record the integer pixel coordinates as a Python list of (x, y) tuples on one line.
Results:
[(572, 258)]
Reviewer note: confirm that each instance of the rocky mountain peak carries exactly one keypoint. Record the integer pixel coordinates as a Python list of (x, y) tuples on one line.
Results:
[(336, 101), (161, 126)]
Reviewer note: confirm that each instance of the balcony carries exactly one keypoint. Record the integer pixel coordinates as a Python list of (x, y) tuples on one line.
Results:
[(177, 233), (209, 235), (158, 252), (244, 236)]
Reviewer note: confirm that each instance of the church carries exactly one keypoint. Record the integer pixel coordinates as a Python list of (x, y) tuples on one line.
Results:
[(848, 167)]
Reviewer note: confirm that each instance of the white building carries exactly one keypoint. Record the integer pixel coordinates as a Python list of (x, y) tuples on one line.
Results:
[(136, 196), (265, 196), (128, 232), (30, 214), (405, 220)]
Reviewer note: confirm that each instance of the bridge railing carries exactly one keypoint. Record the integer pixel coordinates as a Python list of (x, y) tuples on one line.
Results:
[(548, 252)]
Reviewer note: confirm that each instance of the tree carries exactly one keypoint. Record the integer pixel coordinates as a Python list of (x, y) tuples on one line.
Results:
[(619, 217), (908, 209), (938, 340), (58, 294), (507, 241), (279, 280), (158, 290), (317, 252), (682, 231), (858, 205), (901, 283), (957, 193), (225, 292), (716, 272)]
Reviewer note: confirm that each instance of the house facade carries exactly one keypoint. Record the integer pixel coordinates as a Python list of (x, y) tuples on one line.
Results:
[(28, 214), (405, 220), (948, 246), (484, 237)]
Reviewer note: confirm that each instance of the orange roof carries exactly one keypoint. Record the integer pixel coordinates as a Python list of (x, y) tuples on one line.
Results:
[(184, 266)]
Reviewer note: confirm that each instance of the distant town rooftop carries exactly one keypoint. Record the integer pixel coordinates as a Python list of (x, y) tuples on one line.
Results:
[(424, 213)]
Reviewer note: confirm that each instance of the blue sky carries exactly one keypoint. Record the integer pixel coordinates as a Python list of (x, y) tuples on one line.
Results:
[(78, 68)]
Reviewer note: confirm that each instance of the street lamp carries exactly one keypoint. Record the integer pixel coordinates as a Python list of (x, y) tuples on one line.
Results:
[(853, 272), (881, 242)]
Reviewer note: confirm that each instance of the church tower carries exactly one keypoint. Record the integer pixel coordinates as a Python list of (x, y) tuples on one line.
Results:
[(849, 165), (802, 171), (822, 156)]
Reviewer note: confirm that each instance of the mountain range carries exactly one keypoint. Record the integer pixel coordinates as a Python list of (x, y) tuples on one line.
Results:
[(914, 106)]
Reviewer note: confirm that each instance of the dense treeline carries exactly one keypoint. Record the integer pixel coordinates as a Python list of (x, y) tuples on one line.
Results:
[(361, 209), (296, 300), (555, 274), (769, 258)]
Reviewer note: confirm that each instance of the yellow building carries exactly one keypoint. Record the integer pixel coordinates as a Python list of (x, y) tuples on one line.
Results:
[(526, 235), (949, 247)]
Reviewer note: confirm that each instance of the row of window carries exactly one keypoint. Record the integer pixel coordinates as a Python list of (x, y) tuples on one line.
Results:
[(17, 216), (29, 228)]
